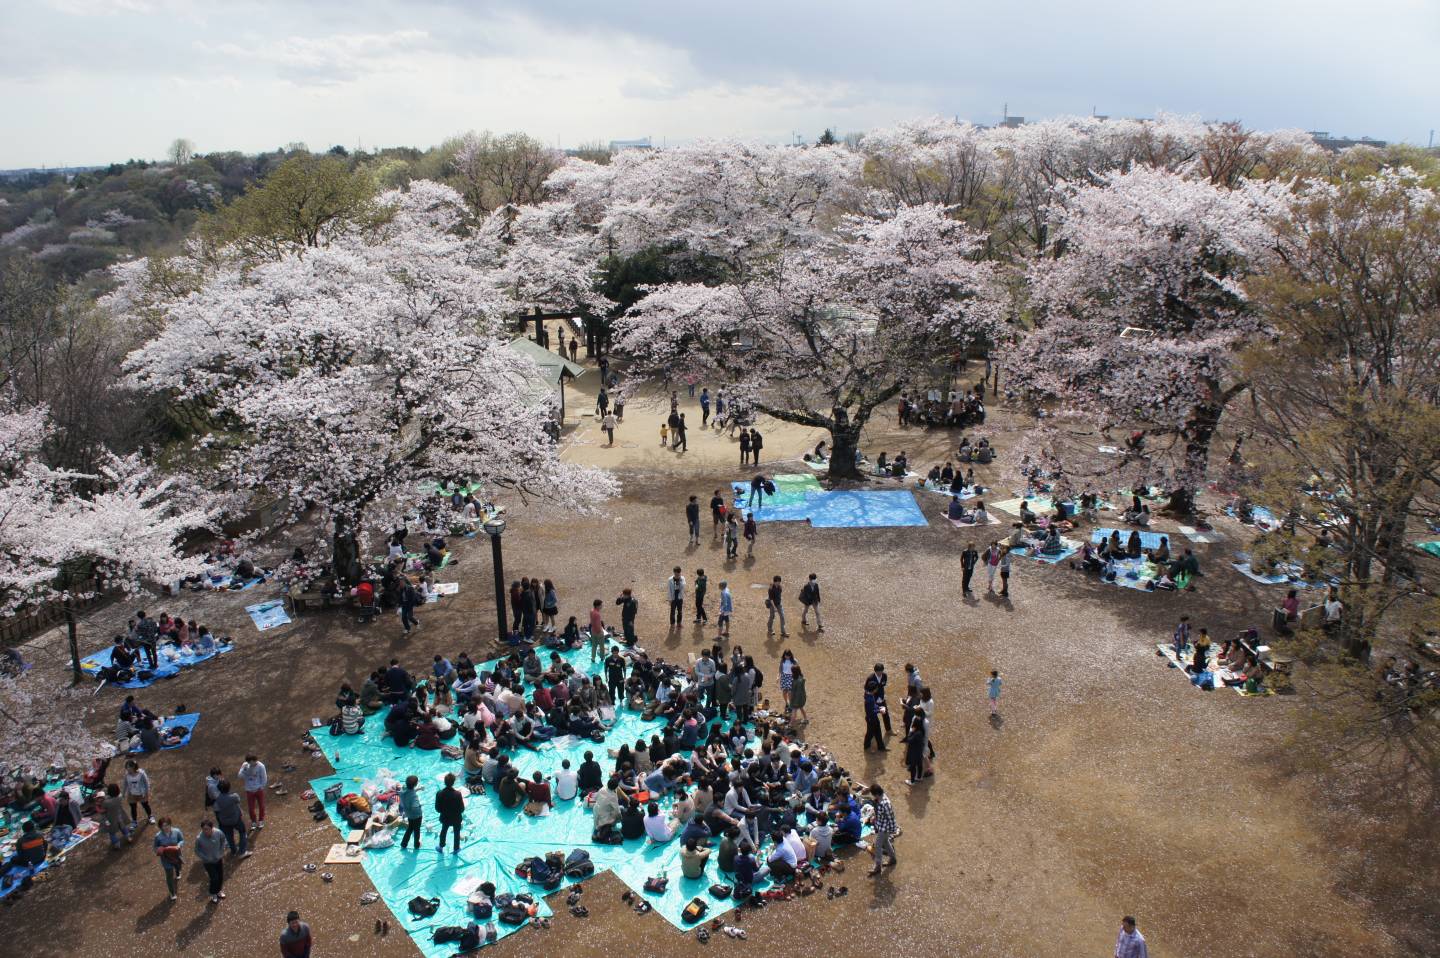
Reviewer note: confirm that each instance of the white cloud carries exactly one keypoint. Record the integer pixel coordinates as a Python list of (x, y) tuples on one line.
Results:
[(336, 58), (89, 81)]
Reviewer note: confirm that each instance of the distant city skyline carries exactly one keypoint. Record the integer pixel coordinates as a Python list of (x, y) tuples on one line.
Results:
[(90, 82)]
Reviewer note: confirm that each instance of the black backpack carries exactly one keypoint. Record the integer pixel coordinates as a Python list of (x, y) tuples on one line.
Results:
[(448, 933), (578, 864), (423, 907), (470, 937)]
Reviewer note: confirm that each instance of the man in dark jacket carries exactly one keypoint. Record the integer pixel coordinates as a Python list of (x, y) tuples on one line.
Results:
[(615, 676), (756, 444), (872, 716), (968, 559), (409, 599), (692, 519), (397, 682), (451, 809), (629, 608), (147, 634)]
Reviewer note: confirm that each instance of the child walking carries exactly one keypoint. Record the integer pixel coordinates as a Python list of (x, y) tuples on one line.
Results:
[(664, 434), (993, 686)]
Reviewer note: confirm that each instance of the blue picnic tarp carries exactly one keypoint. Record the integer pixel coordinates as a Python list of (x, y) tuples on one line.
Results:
[(268, 615), (185, 721), (171, 661), (495, 838)]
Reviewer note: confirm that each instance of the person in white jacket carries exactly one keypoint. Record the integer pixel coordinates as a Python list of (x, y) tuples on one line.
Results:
[(675, 588), (254, 778)]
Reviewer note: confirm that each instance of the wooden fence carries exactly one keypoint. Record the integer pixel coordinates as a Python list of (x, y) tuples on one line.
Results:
[(16, 628)]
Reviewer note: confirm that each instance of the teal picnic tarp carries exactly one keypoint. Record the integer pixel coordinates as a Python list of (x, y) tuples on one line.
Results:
[(495, 838)]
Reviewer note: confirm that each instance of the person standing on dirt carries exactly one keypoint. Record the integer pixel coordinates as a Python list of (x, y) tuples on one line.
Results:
[(702, 585), (168, 844), (692, 519), (717, 513), (409, 599), (744, 446), (727, 602), (751, 529), (810, 602), (757, 442), (732, 537), (772, 602), (704, 407), (882, 679), (602, 402), (607, 425), (210, 849), (574, 348), (629, 608), (873, 710), (675, 589), (1130, 943), (673, 421), (968, 560), (296, 940), (254, 778)]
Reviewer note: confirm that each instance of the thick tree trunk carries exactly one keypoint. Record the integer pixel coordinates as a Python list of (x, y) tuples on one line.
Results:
[(844, 441), (1198, 434), (346, 551)]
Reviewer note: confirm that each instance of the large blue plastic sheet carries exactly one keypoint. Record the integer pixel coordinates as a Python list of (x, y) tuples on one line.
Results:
[(801, 498), (170, 661), (495, 839)]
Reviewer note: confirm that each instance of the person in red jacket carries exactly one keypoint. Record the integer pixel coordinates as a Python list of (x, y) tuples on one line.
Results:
[(295, 940)]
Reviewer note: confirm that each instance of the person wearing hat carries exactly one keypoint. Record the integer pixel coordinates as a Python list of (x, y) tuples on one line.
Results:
[(295, 940)]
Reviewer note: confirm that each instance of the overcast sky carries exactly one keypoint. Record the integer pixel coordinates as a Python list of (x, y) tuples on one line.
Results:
[(90, 81)]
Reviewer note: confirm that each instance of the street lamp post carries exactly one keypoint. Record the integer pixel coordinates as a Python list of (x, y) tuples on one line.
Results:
[(495, 528)]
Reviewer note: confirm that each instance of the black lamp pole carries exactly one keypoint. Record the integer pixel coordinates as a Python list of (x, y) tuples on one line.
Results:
[(495, 528)]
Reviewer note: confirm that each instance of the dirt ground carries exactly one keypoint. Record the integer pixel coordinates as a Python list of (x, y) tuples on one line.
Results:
[(1110, 787)]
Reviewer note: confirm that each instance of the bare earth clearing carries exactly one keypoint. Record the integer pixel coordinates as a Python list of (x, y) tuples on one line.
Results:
[(1111, 787)]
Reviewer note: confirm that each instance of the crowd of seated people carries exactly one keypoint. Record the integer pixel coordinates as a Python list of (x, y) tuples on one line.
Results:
[(954, 408), (1139, 512), (702, 777), (957, 481), (896, 468), (981, 451), (146, 640), (957, 512)]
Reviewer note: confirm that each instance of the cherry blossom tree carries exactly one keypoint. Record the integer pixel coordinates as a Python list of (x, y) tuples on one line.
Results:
[(351, 375), (119, 526), (1138, 317), (822, 334), (43, 724)]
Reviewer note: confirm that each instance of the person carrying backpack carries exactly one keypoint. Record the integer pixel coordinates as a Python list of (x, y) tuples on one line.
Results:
[(810, 602)]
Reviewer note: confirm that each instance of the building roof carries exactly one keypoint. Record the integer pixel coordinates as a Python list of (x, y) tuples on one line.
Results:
[(552, 366)]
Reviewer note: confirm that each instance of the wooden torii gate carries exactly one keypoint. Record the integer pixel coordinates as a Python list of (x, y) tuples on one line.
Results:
[(596, 336)]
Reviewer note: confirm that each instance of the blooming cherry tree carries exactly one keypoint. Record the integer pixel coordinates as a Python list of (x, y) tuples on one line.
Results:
[(350, 375), (120, 525), (822, 334), (1140, 314)]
